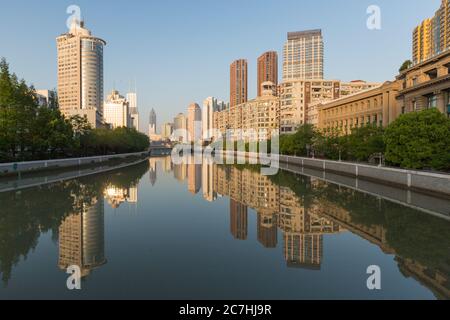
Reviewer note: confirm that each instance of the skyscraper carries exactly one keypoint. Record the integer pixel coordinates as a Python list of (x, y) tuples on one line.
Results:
[(80, 73), (238, 82), (194, 122), (303, 55), (152, 123), (133, 110), (209, 107), (267, 69)]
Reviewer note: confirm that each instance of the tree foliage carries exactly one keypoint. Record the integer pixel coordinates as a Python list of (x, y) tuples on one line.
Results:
[(406, 65), (419, 140), (29, 131)]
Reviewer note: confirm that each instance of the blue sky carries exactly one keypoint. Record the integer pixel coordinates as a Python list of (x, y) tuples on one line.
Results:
[(180, 51)]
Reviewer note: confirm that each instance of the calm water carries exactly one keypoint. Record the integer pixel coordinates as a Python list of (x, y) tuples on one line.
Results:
[(161, 231)]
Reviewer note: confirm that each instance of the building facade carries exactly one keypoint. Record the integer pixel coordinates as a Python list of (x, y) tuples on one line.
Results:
[(46, 98), (238, 82), (210, 106), (252, 120), (194, 122), (116, 111), (80, 74), (166, 131), (134, 112), (299, 99), (303, 55), (426, 85), (377, 106), (267, 69)]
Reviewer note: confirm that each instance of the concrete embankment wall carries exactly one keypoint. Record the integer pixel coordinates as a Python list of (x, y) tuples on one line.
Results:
[(435, 183), (35, 166)]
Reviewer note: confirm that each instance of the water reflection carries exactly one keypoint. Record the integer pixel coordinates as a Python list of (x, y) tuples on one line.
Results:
[(294, 213), (305, 209), (72, 210)]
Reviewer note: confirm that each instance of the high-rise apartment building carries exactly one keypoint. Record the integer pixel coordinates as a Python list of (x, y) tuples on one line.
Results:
[(267, 69), (303, 55), (238, 82), (133, 109), (432, 35), (116, 111), (194, 122), (80, 73), (152, 123)]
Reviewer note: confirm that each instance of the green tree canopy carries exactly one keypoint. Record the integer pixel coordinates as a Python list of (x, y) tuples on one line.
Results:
[(419, 140)]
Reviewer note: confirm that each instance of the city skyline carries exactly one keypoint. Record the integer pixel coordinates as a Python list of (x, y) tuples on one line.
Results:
[(212, 81)]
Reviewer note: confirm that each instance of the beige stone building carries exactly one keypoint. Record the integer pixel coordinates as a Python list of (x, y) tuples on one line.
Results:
[(250, 120), (299, 99), (426, 85), (80, 74), (373, 106)]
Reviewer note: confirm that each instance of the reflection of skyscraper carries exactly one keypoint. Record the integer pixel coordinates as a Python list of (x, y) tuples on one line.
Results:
[(167, 164), (180, 172), (194, 178), (238, 220), (208, 181), (81, 239), (303, 250), (267, 230), (152, 171)]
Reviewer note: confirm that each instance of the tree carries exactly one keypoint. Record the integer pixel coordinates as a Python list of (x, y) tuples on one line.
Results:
[(365, 141), (406, 65), (419, 140), (331, 145), (298, 143)]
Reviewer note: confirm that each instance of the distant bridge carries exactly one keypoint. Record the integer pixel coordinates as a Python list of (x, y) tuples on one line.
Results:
[(160, 150)]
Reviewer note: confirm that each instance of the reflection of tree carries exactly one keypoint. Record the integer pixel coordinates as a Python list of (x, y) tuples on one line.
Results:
[(25, 215), (413, 235)]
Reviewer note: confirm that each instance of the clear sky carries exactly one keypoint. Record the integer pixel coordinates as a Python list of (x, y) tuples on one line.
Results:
[(179, 51)]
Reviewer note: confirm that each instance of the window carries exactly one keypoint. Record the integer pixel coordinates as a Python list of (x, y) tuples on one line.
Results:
[(432, 101)]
